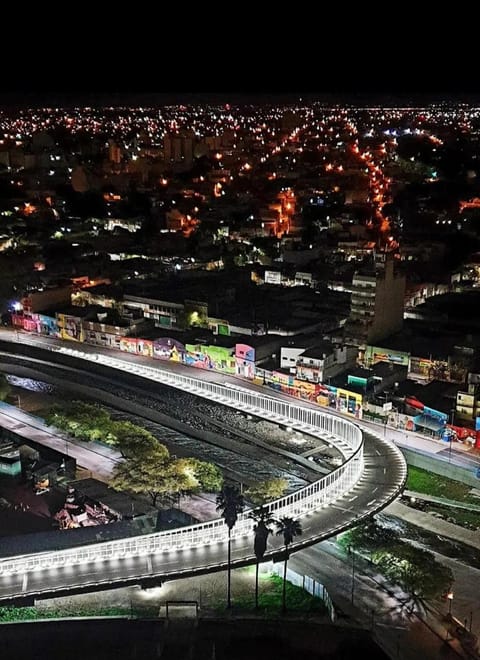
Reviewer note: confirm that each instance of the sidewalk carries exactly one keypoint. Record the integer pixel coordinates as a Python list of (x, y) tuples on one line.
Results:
[(430, 627), (432, 524)]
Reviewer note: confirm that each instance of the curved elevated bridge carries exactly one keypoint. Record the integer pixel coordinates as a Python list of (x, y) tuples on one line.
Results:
[(372, 474)]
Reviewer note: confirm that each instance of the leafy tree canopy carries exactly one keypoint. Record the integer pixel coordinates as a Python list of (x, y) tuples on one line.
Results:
[(209, 477), (155, 475), (4, 387), (230, 503), (266, 491), (134, 440), (416, 570)]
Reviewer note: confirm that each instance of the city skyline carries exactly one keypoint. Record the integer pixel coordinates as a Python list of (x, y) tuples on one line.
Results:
[(295, 281)]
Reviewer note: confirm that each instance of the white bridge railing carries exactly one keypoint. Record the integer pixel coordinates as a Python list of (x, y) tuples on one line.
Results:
[(337, 431)]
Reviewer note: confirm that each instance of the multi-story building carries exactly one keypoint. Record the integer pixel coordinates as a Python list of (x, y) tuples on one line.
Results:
[(377, 302), (114, 152), (324, 361), (164, 313), (37, 301), (178, 148)]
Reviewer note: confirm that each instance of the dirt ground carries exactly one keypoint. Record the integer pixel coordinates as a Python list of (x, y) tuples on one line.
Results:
[(32, 402), (209, 591)]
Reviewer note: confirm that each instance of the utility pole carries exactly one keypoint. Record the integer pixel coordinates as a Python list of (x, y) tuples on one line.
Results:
[(450, 437), (353, 577)]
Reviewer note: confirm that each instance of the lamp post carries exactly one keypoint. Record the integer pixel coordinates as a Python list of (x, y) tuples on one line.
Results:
[(452, 417), (450, 600), (353, 576)]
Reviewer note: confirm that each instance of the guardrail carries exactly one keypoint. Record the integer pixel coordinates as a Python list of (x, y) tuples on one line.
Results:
[(339, 432)]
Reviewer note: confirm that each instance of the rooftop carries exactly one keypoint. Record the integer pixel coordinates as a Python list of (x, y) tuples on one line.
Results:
[(116, 501)]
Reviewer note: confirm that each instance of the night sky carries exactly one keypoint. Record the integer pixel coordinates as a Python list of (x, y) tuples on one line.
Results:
[(30, 98), (396, 58)]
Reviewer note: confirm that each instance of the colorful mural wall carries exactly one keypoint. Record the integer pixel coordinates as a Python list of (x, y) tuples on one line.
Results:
[(245, 361), (166, 348), (137, 345), (70, 327), (342, 400), (217, 358), (240, 360)]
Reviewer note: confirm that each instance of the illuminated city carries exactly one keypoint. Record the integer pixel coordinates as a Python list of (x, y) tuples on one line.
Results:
[(239, 377)]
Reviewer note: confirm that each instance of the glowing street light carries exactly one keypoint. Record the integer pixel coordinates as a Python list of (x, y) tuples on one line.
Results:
[(450, 600)]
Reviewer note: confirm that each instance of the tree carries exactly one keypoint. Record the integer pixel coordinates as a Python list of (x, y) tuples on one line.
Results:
[(414, 569), (82, 420), (372, 538), (132, 440), (154, 474), (208, 475), (262, 492), (263, 519), (289, 528), (230, 503), (417, 571), (4, 387)]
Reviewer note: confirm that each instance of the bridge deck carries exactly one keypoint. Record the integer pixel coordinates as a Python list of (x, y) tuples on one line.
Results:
[(384, 473)]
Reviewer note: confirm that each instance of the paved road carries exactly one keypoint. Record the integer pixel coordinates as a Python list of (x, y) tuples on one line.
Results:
[(359, 595)]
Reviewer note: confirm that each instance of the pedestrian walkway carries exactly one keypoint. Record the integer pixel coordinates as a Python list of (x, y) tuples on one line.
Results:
[(433, 524), (469, 506)]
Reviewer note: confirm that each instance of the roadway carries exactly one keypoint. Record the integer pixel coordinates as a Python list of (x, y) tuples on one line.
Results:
[(345, 512)]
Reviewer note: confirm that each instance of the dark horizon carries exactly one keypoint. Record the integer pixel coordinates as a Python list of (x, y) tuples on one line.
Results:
[(14, 99)]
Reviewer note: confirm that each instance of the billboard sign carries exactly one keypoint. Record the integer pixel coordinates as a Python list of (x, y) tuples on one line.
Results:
[(273, 277), (376, 354)]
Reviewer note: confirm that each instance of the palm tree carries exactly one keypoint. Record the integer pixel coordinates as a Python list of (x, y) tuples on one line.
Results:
[(263, 518), (230, 503), (290, 528)]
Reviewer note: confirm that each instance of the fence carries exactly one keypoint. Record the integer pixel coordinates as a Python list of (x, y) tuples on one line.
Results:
[(309, 584)]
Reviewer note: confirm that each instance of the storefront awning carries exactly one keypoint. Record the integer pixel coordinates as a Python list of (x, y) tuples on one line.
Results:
[(427, 422)]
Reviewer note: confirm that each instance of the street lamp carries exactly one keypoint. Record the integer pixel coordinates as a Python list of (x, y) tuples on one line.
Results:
[(352, 592), (450, 437), (450, 600)]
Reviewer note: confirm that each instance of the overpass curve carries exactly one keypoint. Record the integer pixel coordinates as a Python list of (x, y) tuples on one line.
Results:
[(373, 473)]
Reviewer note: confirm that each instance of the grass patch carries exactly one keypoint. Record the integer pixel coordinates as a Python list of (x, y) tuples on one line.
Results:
[(270, 599), (12, 614), (463, 517), (421, 481), (428, 483)]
